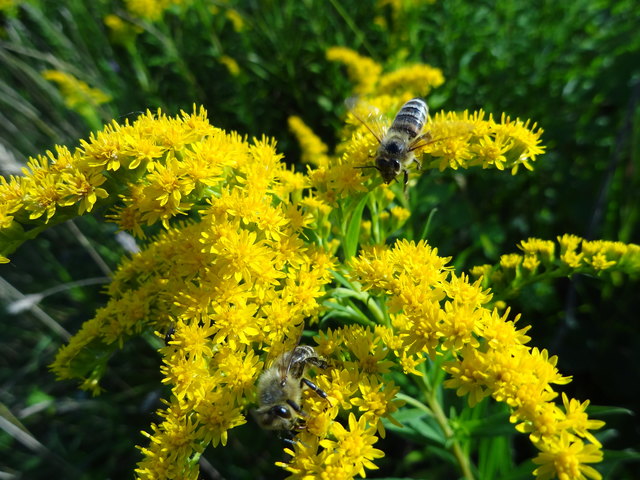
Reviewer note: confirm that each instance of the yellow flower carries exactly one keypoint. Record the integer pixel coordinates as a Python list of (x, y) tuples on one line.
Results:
[(314, 150), (363, 71), (576, 420), (401, 214), (377, 402), (121, 32), (565, 458), (77, 94), (491, 151), (417, 79), (235, 18), (510, 261), (543, 249), (353, 447), (231, 64), (148, 9)]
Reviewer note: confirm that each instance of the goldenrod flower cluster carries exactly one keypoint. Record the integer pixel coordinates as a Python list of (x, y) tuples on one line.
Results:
[(244, 258), (362, 71), (76, 93), (433, 312), (151, 10), (542, 259), (451, 140), (238, 281), (314, 150), (368, 79)]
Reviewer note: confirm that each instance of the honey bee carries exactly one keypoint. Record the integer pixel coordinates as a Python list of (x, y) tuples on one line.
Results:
[(280, 389), (398, 143)]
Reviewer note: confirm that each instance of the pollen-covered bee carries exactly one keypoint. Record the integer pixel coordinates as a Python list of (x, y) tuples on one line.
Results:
[(280, 389), (398, 143)]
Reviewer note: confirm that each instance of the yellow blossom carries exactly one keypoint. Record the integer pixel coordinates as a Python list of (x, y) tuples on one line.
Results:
[(231, 64), (77, 94), (566, 458), (361, 70)]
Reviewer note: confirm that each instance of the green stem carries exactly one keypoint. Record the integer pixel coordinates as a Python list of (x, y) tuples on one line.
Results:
[(443, 421), (434, 408)]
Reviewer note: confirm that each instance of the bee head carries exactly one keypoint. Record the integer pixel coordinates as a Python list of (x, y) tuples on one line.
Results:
[(276, 417), (389, 168)]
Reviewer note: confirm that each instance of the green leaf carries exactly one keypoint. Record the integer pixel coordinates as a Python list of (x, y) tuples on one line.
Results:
[(494, 457), (418, 427), (352, 234), (493, 425)]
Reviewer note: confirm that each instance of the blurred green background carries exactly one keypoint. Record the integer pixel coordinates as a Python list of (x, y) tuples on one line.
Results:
[(572, 67)]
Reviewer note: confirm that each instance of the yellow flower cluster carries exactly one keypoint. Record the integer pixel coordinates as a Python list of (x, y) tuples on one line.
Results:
[(434, 312), (575, 255), (355, 385), (368, 78), (456, 141), (77, 94), (248, 266), (151, 10), (452, 140), (415, 78), (157, 167), (231, 64), (362, 71), (314, 150), (240, 280)]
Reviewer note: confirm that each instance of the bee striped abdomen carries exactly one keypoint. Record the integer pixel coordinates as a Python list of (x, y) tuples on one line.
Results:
[(411, 117)]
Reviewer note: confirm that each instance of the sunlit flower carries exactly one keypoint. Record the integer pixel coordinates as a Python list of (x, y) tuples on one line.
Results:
[(566, 458)]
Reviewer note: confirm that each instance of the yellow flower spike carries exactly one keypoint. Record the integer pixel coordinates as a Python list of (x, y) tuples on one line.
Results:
[(417, 79), (361, 70), (599, 255), (77, 94), (461, 291), (480, 271), (460, 325), (314, 150), (217, 414), (236, 19)]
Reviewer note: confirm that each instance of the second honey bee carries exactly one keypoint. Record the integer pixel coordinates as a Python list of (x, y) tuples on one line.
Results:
[(398, 143), (280, 389)]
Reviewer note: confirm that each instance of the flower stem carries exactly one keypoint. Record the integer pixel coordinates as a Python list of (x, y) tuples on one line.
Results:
[(443, 421)]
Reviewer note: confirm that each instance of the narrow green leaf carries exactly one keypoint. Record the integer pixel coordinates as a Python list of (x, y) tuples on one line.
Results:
[(352, 234)]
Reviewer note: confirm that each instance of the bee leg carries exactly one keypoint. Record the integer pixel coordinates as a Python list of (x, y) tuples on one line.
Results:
[(318, 362), (314, 387), (296, 407), (406, 180)]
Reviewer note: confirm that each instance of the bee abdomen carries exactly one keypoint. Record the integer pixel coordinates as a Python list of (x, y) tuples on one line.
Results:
[(411, 117)]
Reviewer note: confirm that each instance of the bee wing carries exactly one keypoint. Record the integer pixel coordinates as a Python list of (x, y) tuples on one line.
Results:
[(368, 115), (287, 360)]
